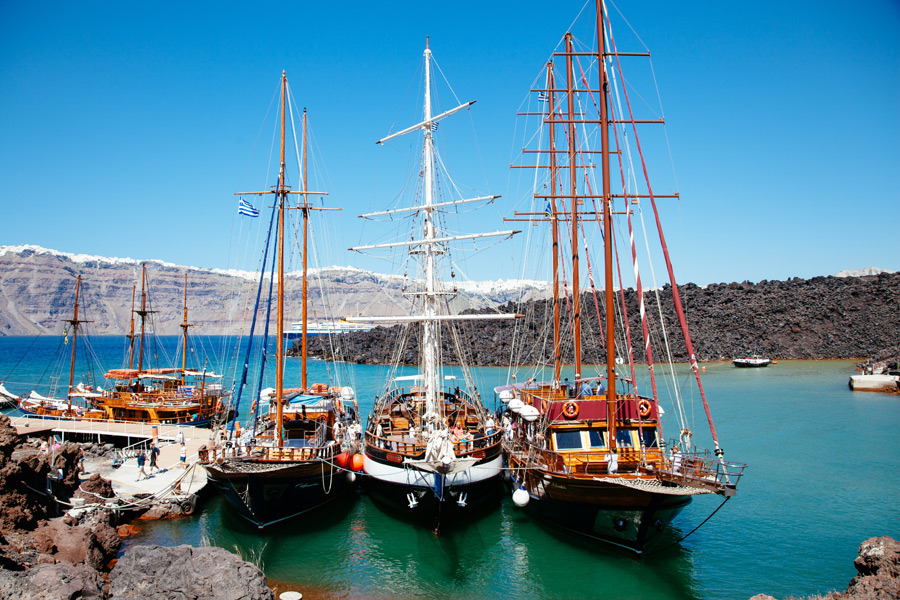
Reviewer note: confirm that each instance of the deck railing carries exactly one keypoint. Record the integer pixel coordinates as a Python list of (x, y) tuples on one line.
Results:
[(267, 453)]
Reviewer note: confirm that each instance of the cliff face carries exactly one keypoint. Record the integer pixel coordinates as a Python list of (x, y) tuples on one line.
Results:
[(37, 291), (822, 317)]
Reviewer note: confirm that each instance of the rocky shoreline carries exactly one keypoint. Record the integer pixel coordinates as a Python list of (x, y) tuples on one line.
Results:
[(44, 555), (878, 573), (818, 318)]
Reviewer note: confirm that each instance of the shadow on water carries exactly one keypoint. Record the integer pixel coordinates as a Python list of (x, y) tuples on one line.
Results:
[(352, 549)]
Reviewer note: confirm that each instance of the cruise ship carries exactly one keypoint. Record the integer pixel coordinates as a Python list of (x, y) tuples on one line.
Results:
[(324, 328)]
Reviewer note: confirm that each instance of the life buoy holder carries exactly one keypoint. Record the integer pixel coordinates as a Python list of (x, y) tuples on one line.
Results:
[(570, 410), (644, 408)]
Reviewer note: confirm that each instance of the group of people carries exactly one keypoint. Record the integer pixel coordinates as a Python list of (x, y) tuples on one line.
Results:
[(153, 455)]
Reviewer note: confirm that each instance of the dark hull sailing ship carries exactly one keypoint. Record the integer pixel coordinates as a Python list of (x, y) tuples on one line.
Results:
[(298, 455), (432, 451), (590, 456)]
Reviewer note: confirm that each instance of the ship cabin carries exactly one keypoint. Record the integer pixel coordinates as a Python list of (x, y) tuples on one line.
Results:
[(569, 426)]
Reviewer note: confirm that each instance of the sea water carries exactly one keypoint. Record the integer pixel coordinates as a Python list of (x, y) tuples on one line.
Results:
[(821, 478)]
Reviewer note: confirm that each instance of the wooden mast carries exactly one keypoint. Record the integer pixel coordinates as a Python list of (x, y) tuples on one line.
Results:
[(131, 334), (607, 232), (573, 182), (143, 313), (279, 352), (74, 321), (305, 211), (184, 330), (557, 349)]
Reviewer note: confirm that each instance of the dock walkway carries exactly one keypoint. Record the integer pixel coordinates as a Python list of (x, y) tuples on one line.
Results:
[(125, 478)]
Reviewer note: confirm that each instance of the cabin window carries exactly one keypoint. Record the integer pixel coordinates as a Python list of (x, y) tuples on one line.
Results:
[(568, 440), (624, 439), (650, 439), (597, 438)]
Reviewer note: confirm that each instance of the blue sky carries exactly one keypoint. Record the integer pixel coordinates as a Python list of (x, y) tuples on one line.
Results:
[(125, 128)]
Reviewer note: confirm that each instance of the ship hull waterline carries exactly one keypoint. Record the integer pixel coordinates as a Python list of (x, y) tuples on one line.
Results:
[(267, 497), (615, 515), (437, 505)]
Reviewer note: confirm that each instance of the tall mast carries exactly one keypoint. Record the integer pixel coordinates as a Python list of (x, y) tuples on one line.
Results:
[(279, 352), (573, 182), (143, 313), (74, 321), (184, 330), (430, 326), (551, 110), (305, 230), (131, 334), (607, 232)]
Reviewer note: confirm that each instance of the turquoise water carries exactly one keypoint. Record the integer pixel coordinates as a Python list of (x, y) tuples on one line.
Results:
[(822, 477)]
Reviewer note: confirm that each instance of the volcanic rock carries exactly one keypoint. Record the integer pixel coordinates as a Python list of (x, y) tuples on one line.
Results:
[(822, 317), (95, 490), (51, 582), (161, 573)]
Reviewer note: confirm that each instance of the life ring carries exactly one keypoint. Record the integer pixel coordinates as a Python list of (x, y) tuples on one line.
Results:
[(570, 410), (160, 400), (644, 408)]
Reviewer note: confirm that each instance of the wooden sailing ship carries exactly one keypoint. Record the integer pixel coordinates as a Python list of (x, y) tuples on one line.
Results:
[(297, 456), (432, 451), (168, 395), (77, 402), (589, 455)]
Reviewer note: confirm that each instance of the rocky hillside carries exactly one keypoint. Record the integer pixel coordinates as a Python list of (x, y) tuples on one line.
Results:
[(37, 290), (822, 317)]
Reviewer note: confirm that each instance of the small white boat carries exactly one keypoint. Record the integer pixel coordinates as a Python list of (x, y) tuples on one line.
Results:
[(753, 362)]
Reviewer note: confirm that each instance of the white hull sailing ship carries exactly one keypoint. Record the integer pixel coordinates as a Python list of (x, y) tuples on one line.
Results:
[(432, 450), (590, 455)]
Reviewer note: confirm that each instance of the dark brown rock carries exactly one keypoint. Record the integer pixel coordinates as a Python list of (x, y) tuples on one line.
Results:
[(822, 317), (93, 543), (95, 490)]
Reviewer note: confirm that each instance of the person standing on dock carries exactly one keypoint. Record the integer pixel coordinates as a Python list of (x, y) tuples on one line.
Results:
[(141, 459), (154, 453), (183, 458)]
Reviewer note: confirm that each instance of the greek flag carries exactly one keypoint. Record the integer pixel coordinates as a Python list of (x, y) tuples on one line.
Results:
[(246, 209), (434, 126), (543, 97)]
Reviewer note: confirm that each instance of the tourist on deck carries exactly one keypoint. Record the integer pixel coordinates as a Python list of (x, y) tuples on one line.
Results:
[(585, 389), (612, 462), (379, 434), (489, 426), (676, 459)]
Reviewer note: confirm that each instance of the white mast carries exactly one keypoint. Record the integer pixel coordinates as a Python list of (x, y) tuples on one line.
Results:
[(426, 247), (431, 328)]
